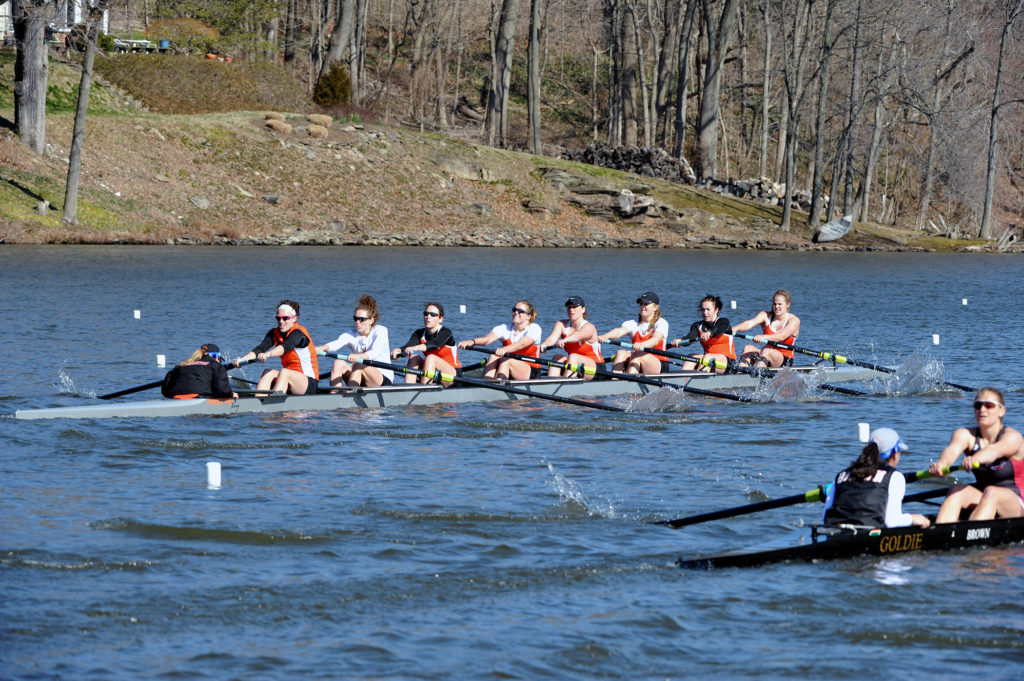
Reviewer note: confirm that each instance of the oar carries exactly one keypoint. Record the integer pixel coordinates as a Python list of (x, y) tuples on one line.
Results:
[(819, 493), (636, 378), (140, 388), (841, 359), (448, 378), (728, 366)]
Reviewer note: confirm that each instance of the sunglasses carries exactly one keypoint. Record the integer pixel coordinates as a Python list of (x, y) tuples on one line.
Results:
[(985, 403), (516, 310), (357, 318), (428, 313), (281, 319)]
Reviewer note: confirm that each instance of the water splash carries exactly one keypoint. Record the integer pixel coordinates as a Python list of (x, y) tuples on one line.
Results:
[(917, 374), (662, 399), (571, 495), (66, 385), (787, 386)]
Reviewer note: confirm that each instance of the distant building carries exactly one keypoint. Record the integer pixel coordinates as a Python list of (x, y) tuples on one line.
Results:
[(69, 13)]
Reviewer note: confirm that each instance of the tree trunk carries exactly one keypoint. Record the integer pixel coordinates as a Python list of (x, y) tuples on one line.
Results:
[(533, 75), (496, 120), (928, 183), (663, 74), (31, 68), (765, 88), (641, 73), (718, 35), (818, 181), (344, 23), (78, 136), (682, 78), (853, 109), (628, 76), (1013, 10), (291, 21)]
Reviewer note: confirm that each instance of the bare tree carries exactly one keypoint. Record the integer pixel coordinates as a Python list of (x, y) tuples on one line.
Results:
[(824, 73), (719, 31), (496, 119), (31, 68), (78, 136), (533, 75), (1012, 8), (796, 21), (682, 77)]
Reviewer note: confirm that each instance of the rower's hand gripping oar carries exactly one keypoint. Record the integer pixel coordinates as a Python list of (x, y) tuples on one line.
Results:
[(819, 493), (448, 378), (728, 366), (840, 359), (148, 386), (636, 378)]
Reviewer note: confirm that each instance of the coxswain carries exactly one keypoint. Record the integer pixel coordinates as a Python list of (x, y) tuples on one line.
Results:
[(779, 326), (870, 492), (648, 332), (299, 372), (998, 452), (430, 349), (201, 375), (521, 337)]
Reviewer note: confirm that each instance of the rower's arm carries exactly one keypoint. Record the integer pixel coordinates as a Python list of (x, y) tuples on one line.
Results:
[(751, 323)]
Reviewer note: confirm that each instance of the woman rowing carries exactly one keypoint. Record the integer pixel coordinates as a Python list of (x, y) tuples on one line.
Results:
[(995, 453), (576, 337), (779, 326), (299, 372), (714, 334), (366, 340), (521, 337), (870, 492), (432, 348), (648, 332), (201, 375)]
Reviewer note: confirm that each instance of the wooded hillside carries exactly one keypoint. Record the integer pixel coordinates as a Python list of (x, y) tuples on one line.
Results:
[(905, 113)]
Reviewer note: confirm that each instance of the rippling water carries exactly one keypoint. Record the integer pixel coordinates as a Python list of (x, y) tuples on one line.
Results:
[(491, 541)]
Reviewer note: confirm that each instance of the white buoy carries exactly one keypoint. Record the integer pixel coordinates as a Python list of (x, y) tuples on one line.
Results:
[(138, 314), (863, 431), (935, 339), (462, 309), (213, 474), (161, 360), (963, 301), (732, 304)]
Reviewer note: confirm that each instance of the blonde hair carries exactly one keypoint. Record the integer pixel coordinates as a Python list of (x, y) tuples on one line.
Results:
[(529, 308), (194, 357)]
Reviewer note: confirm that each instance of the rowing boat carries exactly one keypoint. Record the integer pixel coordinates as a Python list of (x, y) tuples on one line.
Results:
[(830, 543), (416, 394)]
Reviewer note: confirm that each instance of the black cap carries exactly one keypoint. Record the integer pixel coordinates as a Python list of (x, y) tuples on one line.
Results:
[(210, 348), (648, 297), (574, 301)]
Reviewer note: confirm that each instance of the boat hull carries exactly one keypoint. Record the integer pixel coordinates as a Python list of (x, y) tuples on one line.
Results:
[(875, 542), (411, 395)]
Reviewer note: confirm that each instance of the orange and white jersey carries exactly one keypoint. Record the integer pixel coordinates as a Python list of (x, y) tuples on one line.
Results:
[(302, 360), (643, 331), (774, 326), (591, 349)]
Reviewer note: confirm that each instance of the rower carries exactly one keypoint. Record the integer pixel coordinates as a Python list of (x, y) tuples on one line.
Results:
[(201, 375), (713, 332), (521, 337), (649, 332), (577, 338), (870, 492), (436, 343), (998, 452), (367, 339), (299, 372), (778, 325)]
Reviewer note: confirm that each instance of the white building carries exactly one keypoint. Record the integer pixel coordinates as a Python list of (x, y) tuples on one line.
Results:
[(6, 26), (69, 13)]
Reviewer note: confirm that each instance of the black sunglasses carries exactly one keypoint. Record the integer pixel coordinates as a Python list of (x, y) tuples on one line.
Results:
[(357, 318), (519, 310), (428, 313)]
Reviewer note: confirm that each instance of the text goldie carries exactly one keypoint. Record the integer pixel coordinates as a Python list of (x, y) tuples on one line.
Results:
[(906, 542)]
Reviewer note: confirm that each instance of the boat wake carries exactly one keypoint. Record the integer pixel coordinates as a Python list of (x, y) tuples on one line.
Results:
[(662, 399), (66, 385), (574, 500)]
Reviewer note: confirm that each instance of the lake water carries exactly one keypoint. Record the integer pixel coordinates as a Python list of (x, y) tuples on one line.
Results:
[(480, 541)]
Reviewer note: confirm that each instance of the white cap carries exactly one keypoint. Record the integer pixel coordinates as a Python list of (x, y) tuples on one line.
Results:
[(888, 442)]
